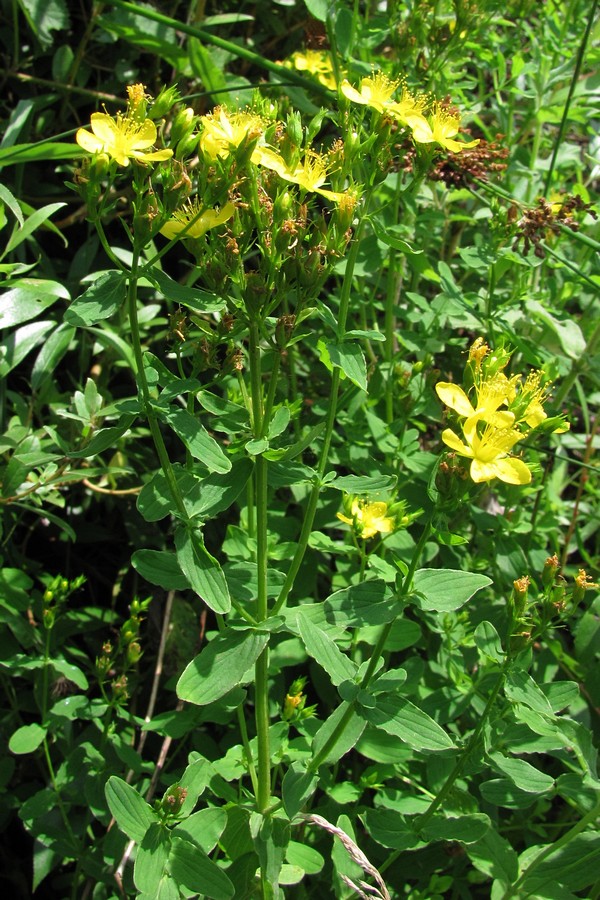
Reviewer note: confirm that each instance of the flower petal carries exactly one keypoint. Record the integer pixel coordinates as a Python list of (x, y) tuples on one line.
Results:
[(104, 127), (351, 93), (88, 141), (421, 129), (453, 396), (143, 137), (155, 156), (508, 469), (453, 441)]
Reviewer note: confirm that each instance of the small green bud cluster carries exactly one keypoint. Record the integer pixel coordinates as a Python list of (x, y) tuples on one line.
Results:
[(553, 604), (56, 594)]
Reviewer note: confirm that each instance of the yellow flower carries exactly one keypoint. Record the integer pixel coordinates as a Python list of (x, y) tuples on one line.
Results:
[(408, 106), (122, 138), (528, 404), (376, 91), (315, 62), (490, 394), (223, 131), (439, 128), (368, 519), (489, 452), (198, 219), (310, 174)]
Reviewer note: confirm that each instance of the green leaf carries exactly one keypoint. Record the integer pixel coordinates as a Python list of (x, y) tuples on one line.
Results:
[(361, 604), (521, 688), (297, 788), (220, 666), (494, 856), (279, 422), (391, 235), (104, 439), (193, 298), (131, 812), (35, 220), (27, 298), (364, 484), (345, 740), (203, 572), (574, 865), (351, 360), (53, 350), (504, 792), (306, 858), (9, 199), (567, 330), (256, 447), (151, 859), (408, 722), (467, 829), (390, 829), (73, 673), (160, 567), (444, 590), (15, 346), (166, 889), (101, 300), (203, 497), (320, 646), (318, 9), (205, 68), (191, 867), (196, 438), (488, 642), (203, 828), (44, 17), (26, 739), (44, 151), (526, 777)]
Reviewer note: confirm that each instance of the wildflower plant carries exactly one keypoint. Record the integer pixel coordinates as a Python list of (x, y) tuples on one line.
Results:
[(360, 620)]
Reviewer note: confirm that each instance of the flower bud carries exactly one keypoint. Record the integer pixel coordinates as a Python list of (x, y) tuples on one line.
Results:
[(145, 219), (519, 596), (183, 125), (173, 800), (164, 103), (284, 330), (134, 653)]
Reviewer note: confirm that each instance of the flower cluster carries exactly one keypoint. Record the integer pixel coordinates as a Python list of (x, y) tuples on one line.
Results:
[(501, 411), (430, 122)]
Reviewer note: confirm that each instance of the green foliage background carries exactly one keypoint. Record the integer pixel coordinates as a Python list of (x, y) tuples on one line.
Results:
[(466, 766)]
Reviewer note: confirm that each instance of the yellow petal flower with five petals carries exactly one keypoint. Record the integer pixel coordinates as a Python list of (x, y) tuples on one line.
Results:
[(368, 519), (375, 91), (121, 138), (489, 452), (310, 174), (440, 128)]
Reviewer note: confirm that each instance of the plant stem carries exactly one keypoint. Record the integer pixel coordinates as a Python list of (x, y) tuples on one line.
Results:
[(155, 431), (573, 84), (261, 682), (375, 656), (313, 499), (549, 849)]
